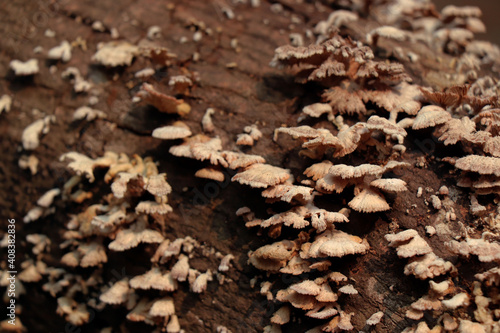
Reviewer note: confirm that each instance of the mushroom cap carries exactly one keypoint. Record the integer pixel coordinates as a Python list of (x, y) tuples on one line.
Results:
[(241, 160), (348, 289), (306, 287), (48, 197), (20, 68), (490, 277), (212, 173), (261, 175), (115, 53), (164, 103), (184, 149), (335, 243), (326, 294), (460, 299), (281, 316), (427, 266), (408, 243), (416, 315), (157, 185), (153, 207), (467, 326), (154, 279), (92, 254), (303, 132), (429, 116), (369, 201), (244, 139), (137, 233), (209, 150), (384, 125), (345, 98), (287, 192), (322, 311), (304, 302), (277, 251), (426, 303), (163, 307), (484, 165), (117, 294), (289, 218), (180, 270), (317, 109), (348, 171), (375, 318), (450, 11), (390, 184), (389, 32), (318, 170), (171, 132)]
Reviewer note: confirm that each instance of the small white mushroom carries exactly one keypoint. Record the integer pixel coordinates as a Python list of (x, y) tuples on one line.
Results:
[(62, 52), (225, 263), (5, 103), (154, 32), (206, 121), (98, 26), (375, 318), (89, 114), (436, 202), (200, 283), (48, 197), (20, 68), (31, 134), (461, 299), (144, 73)]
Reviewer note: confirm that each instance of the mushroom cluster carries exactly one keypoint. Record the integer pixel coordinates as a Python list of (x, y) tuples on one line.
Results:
[(309, 217), (351, 77), (132, 212)]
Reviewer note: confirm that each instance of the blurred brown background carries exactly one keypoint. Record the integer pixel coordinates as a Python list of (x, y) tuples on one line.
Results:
[(491, 12)]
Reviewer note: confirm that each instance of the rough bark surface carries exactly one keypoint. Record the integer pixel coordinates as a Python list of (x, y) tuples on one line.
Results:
[(251, 92)]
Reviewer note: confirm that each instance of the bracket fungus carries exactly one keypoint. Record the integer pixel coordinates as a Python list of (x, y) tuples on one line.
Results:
[(164, 103)]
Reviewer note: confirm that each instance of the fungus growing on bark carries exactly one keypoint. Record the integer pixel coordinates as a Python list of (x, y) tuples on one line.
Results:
[(388, 32), (31, 134), (20, 68), (211, 172), (428, 266), (408, 243), (87, 113), (460, 299), (132, 237), (272, 257), (164, 103), (79, 83), (62, 52), (429, 116), (261, 175), (333, 243), (117, 294), (162, 308), (375, 318), (181, 83), (483, 249), (176, 131), (5, 103), (115, 53), (336, 19), (206, 121), (251, 135)]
